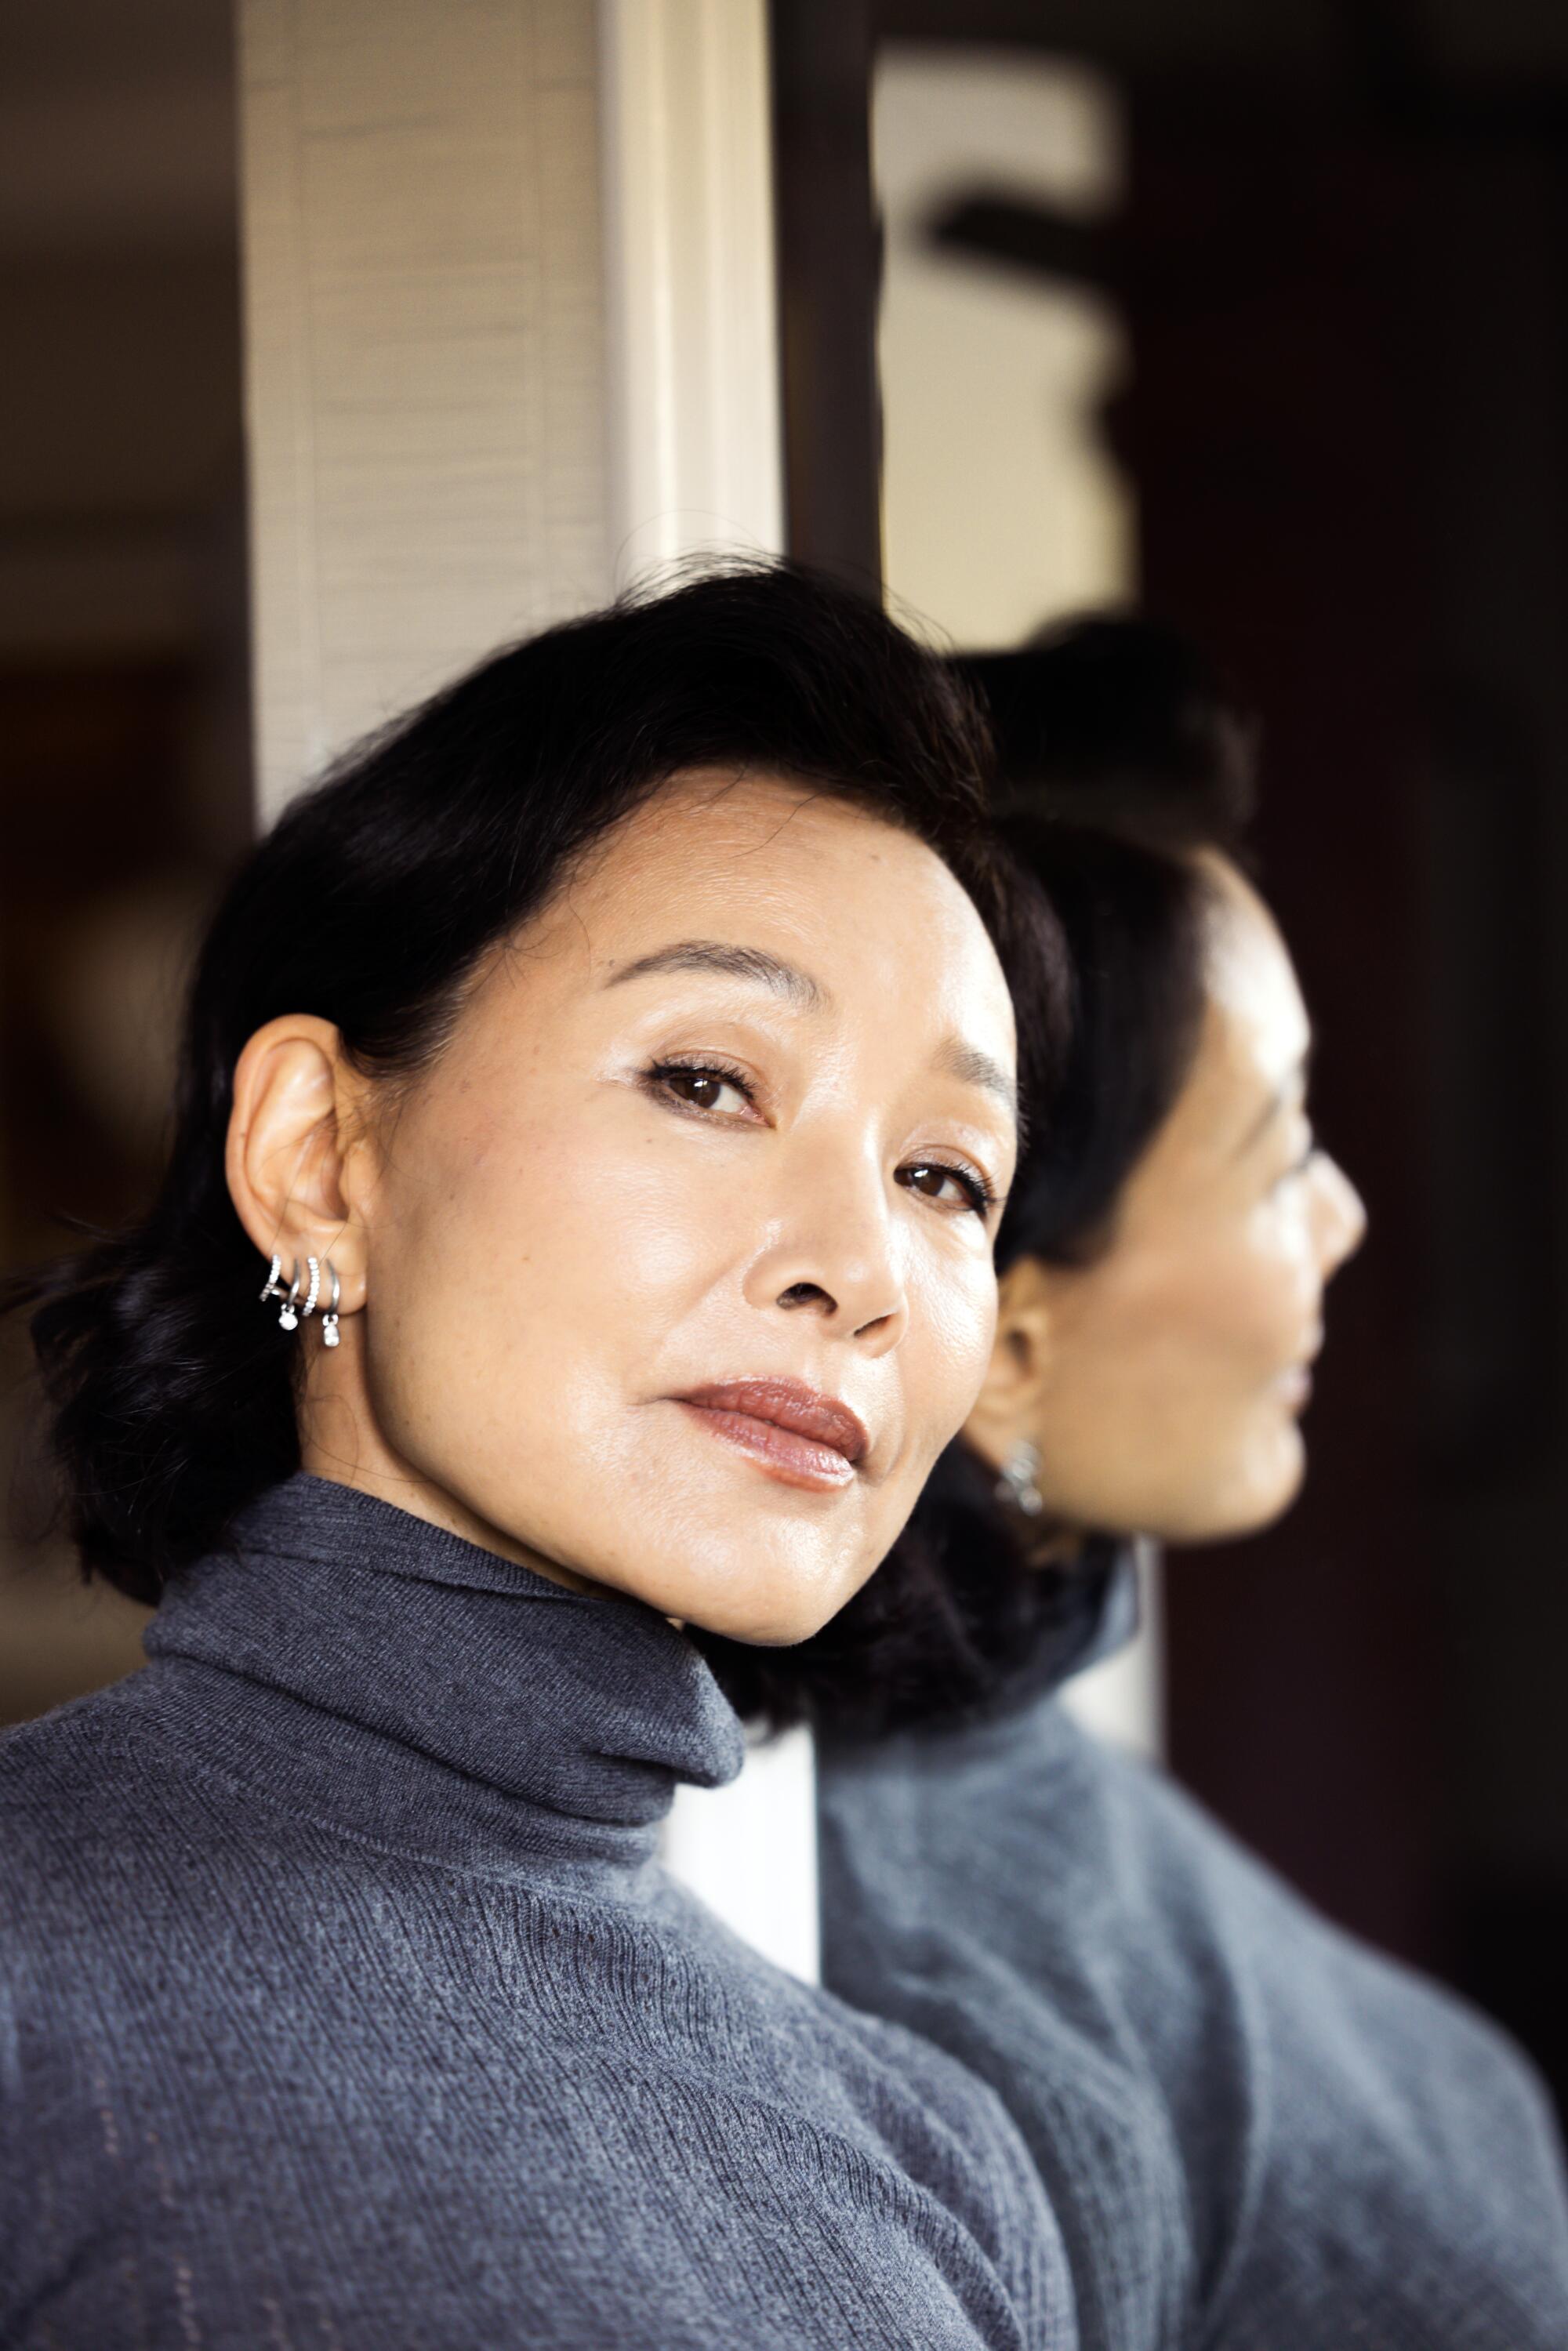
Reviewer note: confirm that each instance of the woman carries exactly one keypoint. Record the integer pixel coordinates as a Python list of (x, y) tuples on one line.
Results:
[(1257, 2135), (560, 1241)]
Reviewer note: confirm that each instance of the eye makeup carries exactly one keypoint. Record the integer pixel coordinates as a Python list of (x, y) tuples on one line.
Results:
[(980, 1197), (677, 1080), (664, 1079)]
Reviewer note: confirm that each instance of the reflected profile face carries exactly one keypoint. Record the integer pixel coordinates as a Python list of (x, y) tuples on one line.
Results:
[(678, 1260), (1171, 1371)]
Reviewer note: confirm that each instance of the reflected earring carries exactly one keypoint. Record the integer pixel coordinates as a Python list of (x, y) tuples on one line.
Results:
[(329, 1319), (1016, 1484)]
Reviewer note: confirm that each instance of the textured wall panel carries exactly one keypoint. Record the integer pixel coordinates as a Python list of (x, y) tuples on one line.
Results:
[(424, 306)]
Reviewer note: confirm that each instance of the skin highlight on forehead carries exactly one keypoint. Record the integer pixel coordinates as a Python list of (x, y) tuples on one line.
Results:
[(1249, 967), (1251, 1063)]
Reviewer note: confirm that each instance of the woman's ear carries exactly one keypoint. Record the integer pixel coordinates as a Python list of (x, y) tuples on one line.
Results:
[(290, 1148), (1006, 1407)]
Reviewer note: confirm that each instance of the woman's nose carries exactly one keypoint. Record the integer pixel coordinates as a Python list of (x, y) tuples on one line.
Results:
[(835, 1257), (1341, 1218)]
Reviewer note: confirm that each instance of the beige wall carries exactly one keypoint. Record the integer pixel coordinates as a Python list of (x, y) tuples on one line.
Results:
[(424, 314), (1001, 508)]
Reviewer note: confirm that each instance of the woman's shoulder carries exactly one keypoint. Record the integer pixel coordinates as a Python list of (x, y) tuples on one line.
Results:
[(1056, 1892), (1055, 1838), (588, 2051), (76, 1785), (64, 1766)]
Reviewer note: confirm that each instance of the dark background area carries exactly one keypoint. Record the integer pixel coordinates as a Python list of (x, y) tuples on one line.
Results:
[(124, 752), (1342, 268)]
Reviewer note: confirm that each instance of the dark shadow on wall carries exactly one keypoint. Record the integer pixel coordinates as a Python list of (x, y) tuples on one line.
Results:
[(125, 786)]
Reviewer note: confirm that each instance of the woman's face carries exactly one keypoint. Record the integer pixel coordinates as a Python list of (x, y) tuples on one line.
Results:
[(1164, 1381), (676, 1265)]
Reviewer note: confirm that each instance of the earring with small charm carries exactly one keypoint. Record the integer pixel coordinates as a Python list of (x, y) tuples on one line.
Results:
[(1017, 1485), (329, 1318)]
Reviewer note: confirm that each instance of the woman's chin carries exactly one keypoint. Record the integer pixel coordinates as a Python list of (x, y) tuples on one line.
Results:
[(770, 1620), (1251, 1495), (1222, 1501), (772, 1606)]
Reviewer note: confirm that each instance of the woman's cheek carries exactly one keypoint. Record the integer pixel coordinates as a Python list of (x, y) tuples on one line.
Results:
[(543, 1204), (952, 1327), (673, 1279), (1282, 1283)]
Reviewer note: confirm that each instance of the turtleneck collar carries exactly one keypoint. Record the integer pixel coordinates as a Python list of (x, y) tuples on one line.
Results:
[(1099, 1611), (357, 1664)]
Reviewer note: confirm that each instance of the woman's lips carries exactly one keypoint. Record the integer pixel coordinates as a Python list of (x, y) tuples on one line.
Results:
[(795, 1434), (1293, 1386)]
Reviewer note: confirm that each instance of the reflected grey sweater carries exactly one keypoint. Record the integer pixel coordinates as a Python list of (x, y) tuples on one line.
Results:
[(344, 2006), (1256, 2133)]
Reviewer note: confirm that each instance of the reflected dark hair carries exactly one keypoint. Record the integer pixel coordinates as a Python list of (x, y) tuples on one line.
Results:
[(1119, 723), (1135, 920), (1120, 755), (370, 903)]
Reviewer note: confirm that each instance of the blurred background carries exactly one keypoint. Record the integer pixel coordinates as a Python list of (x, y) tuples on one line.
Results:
[(1252, 311), (124, 724)]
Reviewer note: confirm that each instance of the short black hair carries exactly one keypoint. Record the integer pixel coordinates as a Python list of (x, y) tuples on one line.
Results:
[(1121, 754), (1120, 723), (369, 904)]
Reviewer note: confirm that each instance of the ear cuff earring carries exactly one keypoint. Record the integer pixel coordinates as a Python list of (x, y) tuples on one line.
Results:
[(272, 1287), (309, 1306), (1017, 1483), (294, 1312)]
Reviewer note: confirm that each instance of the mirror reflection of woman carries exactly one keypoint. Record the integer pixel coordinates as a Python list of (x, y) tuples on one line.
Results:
[(575, 1225), (1254, 2131)]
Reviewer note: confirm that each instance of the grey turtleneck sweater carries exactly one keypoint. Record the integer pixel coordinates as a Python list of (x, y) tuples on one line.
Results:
[(344, 2006), (1256, 2133)]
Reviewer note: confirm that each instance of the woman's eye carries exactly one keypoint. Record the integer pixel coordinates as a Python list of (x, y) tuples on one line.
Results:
[(1298, 1167), (957, 1187), (700, 1087)]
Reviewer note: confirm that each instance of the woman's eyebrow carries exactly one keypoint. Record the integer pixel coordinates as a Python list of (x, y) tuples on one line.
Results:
[(958, 1059), (733, 963), (1287, 1095)]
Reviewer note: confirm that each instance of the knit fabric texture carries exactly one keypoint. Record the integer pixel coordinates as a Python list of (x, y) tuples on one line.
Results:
[(344, 2005), (1256, 2133)]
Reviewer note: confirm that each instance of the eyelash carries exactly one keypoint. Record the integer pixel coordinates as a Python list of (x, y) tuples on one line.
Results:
[(979, 1195), (657, 1078), (1299, 1166)]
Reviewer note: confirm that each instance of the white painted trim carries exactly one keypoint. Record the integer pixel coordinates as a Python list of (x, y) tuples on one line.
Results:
[(694, 457), (694, 467), (1122, 1699), (750, 1852)]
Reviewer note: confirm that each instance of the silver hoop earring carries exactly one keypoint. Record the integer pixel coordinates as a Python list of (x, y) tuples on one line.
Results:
[(1016, 1484), (272, 1287), (308, 1308), (329, 1319)]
